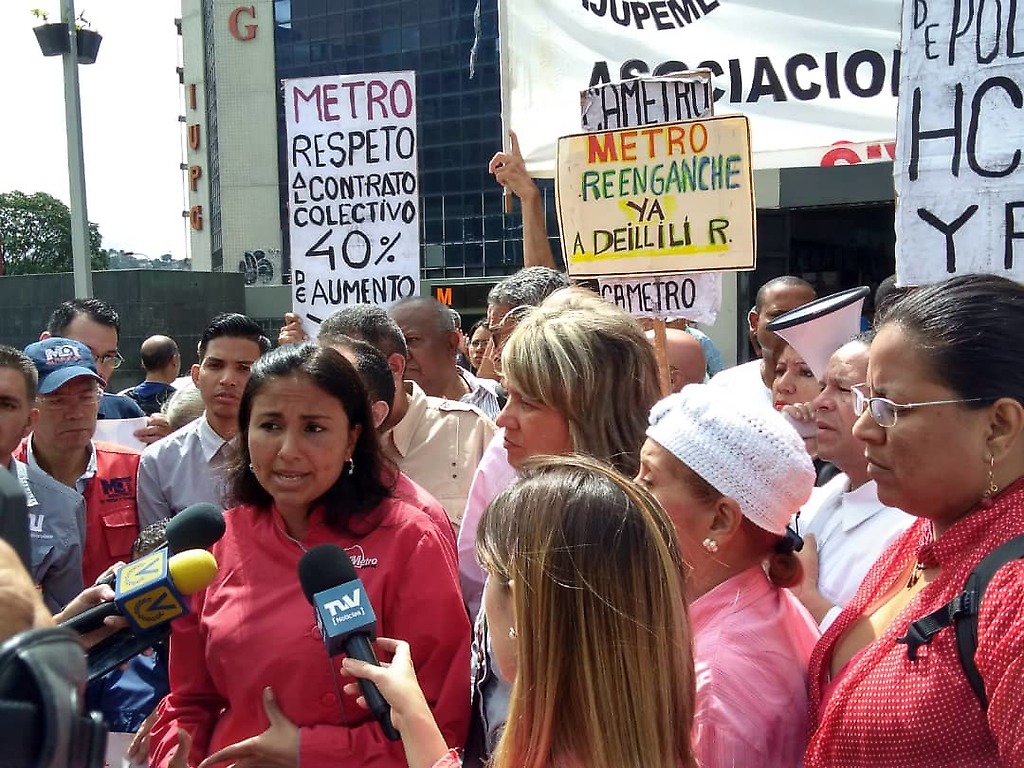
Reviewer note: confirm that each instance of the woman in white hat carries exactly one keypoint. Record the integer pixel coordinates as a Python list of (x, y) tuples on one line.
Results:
[(730, 474)]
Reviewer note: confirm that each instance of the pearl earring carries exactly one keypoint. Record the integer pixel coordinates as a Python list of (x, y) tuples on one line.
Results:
[(710, 545)]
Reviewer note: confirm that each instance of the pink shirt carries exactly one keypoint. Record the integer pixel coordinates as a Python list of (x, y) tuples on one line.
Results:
[(493, 475), (252, 627), (752, 642)]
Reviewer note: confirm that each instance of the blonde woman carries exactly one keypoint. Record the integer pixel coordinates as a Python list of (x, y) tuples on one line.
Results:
[(585, 599)]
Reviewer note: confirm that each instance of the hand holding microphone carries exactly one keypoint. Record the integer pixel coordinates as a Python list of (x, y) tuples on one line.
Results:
[(151, 590), (345, 617)]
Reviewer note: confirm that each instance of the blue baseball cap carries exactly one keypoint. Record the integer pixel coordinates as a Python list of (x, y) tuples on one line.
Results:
[(59, 361)]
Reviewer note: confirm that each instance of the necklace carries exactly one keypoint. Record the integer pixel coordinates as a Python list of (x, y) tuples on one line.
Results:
[(915, 575)]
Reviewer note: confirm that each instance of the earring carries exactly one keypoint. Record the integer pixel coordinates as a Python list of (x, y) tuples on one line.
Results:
[(992, 489), (351, 466), (512, 633), (252, 468), (710, 545)]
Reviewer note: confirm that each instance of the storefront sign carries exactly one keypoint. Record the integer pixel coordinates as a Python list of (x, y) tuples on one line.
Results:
[(663, 199), (353, 191), (959, 174), (808, 73)]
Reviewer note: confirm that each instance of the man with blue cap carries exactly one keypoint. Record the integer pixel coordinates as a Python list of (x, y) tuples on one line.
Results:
[(99, 476)]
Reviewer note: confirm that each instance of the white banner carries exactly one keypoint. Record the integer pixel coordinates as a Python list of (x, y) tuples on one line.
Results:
[(353, 191), (959, 175), (808, 73), (695, 297)]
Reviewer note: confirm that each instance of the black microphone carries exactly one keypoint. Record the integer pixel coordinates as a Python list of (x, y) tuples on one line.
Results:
[(197, 526), (345, 617)]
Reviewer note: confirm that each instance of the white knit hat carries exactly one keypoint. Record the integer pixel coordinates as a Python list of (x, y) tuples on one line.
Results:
[(742, 447)]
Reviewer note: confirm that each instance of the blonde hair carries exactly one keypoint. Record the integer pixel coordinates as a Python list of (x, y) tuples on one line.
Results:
[(589, 360), (604, 655)]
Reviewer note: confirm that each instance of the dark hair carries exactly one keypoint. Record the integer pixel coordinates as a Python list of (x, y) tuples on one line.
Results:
[(481, 323), (968, 331), (153, 535), (96, 310), (370, 363), (157, 352), (352, 500), (888, 293), (16, 360), (784, 281), (234, 325), (529, 286), (368, 323)]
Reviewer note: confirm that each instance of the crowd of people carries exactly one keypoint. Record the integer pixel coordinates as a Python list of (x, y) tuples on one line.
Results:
[(568, 565)]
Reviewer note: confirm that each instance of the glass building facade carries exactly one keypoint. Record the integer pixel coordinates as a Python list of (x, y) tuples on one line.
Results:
[(452, 46)]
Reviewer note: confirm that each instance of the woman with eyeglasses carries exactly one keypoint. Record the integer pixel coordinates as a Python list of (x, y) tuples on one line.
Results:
[(942, 419)]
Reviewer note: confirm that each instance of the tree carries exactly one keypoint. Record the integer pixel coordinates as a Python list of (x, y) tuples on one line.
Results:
[(36, 234)]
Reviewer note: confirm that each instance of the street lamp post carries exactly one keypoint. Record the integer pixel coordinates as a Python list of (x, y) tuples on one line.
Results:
[(76, 159)]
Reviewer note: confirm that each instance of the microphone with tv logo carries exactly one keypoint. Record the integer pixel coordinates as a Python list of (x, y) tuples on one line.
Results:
[(345, 617), (150, 591), (197, 526), (151, 601)]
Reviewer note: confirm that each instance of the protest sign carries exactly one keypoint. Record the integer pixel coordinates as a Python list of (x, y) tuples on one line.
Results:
[(808, 73), (958, 173), (641, 102), (353, 191), (695, 297), (663, 199), (647, 101)]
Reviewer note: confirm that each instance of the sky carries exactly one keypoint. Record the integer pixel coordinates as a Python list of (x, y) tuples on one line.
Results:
[(131, 99)]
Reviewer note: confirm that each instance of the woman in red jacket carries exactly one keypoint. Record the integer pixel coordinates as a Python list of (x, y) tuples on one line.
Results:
[(251, 682)]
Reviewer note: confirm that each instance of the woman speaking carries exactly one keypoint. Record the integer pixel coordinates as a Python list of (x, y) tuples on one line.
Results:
[(251, 682)]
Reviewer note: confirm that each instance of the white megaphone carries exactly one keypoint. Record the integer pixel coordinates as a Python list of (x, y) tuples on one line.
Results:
[(817, 329)]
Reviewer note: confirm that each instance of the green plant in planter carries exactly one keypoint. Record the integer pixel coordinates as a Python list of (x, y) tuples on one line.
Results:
[(52, 38)]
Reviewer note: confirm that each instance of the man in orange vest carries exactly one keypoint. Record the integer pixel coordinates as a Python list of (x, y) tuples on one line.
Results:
[(99, 476)]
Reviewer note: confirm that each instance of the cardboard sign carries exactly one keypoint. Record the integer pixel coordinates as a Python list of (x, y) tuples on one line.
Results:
[(959, 142), (647, 101), (663, 199), (353, 191), (696, 297)]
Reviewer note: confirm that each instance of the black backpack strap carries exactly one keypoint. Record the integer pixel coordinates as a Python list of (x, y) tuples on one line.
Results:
[(966, 627), (922, 631)]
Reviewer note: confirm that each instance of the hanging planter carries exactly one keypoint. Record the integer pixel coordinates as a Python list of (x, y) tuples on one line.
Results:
[(53, 39), (88, 45)]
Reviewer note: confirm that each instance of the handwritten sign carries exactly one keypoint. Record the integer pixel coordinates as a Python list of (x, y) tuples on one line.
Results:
[(695, 297), (353, 191), (647, 101), (666, 198), (960, 137)]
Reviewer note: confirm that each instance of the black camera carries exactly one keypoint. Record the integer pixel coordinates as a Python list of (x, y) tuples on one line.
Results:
[(42, 718)]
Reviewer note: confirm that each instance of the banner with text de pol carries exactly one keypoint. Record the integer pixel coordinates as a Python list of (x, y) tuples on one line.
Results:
[(664, 199), (960, 136), (353, 191)]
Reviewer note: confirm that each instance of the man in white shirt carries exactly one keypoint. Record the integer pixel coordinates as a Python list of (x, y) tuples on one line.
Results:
[(189, 466), (754, 379), (844, 525)]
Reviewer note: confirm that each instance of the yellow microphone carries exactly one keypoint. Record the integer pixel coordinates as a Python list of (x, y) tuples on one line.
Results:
[(150, 591)]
